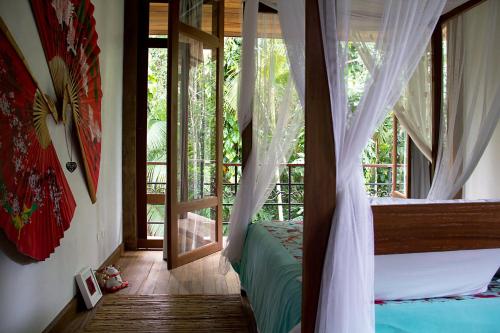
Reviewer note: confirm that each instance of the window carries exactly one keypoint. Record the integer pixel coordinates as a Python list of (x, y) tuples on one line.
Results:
[(385, 160)]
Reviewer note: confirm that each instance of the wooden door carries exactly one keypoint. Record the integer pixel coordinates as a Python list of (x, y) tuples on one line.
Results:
[(194, 111)]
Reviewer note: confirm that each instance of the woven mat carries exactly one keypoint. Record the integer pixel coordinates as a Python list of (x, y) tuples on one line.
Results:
[(170, 313)]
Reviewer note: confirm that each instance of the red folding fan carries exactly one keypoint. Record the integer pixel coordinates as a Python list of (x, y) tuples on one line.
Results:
[(67, 32), (36, 204)]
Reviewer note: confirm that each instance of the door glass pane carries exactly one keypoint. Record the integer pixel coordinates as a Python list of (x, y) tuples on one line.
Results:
[(196, 124), (156, 217), (200, 14), (196, 229), (156, 153), (158, 20)]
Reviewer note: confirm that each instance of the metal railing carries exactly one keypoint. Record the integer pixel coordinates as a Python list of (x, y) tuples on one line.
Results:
[(284, 195)]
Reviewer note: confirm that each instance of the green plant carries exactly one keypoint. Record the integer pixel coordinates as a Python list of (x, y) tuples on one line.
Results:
[(378, 149)]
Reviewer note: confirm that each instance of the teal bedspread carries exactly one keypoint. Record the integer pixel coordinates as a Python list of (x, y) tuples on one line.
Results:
[(468, 314), (270, 273), (271, 277)]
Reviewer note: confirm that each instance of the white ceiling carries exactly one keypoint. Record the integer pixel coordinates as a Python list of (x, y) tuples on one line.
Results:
[(366, 15)]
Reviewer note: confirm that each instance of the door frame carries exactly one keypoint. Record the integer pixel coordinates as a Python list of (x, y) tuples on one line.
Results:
[(144, 44)]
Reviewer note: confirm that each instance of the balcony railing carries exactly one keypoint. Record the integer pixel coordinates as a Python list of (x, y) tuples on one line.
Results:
[(286, 199), (390, 187)]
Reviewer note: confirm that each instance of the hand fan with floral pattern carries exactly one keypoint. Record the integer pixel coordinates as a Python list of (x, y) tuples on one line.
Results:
[(36, 203), (69, 39)]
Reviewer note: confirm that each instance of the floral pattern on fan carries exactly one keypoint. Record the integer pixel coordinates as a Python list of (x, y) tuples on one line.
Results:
[(36, 204), (19, 212), (69, 40)]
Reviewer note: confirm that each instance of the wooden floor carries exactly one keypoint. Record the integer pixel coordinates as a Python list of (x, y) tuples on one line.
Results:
[(149, 278), (147, 274)]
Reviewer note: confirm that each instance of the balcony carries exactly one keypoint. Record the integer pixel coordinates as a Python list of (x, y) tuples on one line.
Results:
[(286, 200)]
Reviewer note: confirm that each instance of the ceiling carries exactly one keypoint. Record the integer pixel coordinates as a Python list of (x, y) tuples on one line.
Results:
[(233, 10), (366, 15)]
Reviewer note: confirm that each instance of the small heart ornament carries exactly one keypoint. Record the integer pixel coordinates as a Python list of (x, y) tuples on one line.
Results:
[(71, 166)]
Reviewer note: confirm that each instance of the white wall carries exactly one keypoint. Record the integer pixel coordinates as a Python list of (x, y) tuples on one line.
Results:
[(31, 295), (484, 182)]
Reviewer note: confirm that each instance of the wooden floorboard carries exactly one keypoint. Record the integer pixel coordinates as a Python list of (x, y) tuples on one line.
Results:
[(147, 274)]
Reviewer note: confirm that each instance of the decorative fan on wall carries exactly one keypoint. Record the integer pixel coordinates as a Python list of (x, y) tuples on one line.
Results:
[(69, 39), (36, 202)]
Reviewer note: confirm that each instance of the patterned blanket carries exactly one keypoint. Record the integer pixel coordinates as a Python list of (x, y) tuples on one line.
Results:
[(289, 234)]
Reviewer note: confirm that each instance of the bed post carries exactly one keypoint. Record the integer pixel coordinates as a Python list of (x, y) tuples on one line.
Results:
[(319, 179), (246, 144), (437, 89)]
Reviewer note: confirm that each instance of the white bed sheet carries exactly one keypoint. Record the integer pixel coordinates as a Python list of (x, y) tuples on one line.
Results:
[(434, 274)]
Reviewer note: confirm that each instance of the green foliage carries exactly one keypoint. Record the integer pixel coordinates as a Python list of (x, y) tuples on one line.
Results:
[(267, 48), (197, 107), (357, 74), (231, 134), (378, 149), (156, 134)]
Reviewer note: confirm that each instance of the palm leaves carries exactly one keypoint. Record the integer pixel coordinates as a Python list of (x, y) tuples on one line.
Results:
[(156, 174)]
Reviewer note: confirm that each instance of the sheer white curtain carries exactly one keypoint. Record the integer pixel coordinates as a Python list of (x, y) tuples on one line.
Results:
[(413, 110), (420, 179), (270, 96), (402, 33), (473, 96)]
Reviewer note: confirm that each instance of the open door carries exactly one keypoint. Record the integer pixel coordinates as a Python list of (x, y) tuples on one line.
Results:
[(194, 125)]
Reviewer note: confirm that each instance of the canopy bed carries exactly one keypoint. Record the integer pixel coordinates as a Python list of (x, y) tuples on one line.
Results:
[(347, 267), (422, 249)]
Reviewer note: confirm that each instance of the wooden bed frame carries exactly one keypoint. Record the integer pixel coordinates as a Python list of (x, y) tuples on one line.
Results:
[(417, 228), (398, 228)]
